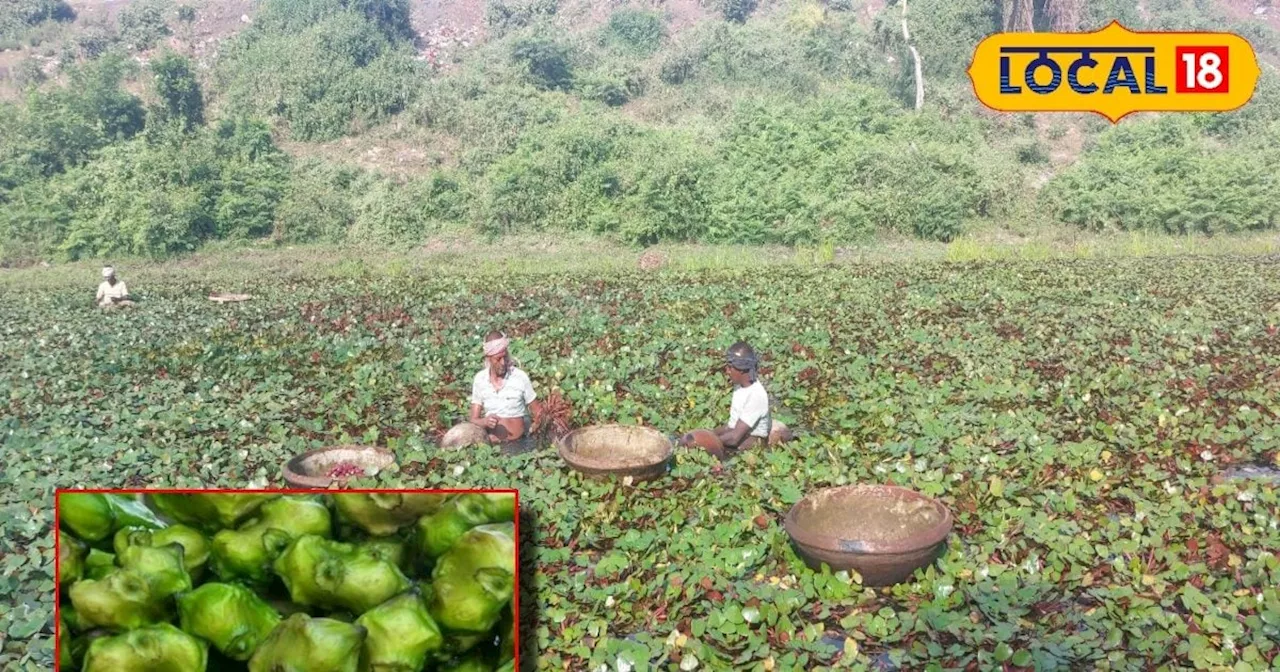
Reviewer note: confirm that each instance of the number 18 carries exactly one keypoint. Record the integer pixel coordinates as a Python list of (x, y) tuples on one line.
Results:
[(1202, 70)]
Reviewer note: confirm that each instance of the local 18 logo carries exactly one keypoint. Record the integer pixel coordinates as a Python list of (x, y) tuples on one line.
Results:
[(1114, 72)]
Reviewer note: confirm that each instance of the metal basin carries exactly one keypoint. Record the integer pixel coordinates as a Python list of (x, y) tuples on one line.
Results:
[(315, 468), (617, 450), (223, 297), (884, 532), (463, 435)]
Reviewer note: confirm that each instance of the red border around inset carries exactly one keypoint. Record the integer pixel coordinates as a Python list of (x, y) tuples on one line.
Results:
[(57, 564)]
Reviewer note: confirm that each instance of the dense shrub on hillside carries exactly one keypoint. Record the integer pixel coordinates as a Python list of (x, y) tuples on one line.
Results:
[(317, 71), (737, 11), (945, 33), (558, 177), (487, 121), (144, 22), (154, 195), (1164, 176), (755, 55), (636, 30), (19, 16), (546, 63), (843, 166), (505, 16), (180, 97), (61, 128), (835, 168), (316, 204)]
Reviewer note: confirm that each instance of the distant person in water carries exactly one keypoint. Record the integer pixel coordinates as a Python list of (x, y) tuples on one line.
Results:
[(500, 397), (112, 291), (749, 419)]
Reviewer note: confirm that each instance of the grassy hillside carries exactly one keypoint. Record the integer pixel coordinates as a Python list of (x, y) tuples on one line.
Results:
[(151, 127)]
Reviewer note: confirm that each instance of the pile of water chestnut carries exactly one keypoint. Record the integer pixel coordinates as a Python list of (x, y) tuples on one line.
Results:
[(273, 582)]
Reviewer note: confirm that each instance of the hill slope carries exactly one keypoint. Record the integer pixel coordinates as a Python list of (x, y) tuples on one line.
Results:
[(721, 121)]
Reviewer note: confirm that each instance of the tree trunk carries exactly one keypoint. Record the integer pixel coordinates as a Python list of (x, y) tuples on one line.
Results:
[(915, 56)]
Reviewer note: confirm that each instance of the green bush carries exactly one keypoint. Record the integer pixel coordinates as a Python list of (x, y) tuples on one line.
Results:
[(17, 17), (316, 204), (1163, 176), (546, 63), (505, 16), (737, 11), (179, 92), (62, 128), (321, 78), (94, 41), (142, 23), (945, 33), (390, 211), (154, 195), (636, 30), (604, 89)]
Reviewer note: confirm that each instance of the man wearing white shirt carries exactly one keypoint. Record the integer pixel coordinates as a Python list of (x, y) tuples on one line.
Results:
[(749, 419), (112, 291), (500, 397)]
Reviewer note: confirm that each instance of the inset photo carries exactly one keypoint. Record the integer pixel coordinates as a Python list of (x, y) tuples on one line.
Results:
[(287, 580)]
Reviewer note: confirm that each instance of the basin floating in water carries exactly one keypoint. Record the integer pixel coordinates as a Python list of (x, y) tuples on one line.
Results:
[(1249, 472), (780, 433), (617, 450), (327, 467), (462, 435), (221, 297), (884, 532)]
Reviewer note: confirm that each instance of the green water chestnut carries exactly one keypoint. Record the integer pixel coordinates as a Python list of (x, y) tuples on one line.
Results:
[(232, 618), (337, 575), (474, 580), (301, 643)]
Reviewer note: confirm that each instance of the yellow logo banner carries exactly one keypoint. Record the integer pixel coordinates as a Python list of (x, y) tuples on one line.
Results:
[(1114, 72)]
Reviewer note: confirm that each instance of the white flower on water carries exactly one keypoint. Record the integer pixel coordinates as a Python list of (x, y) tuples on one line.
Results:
[(1206, 455), (1140, 516), (457, 471), (1245, 496), (623, 665), (608, 601), (689, 662)]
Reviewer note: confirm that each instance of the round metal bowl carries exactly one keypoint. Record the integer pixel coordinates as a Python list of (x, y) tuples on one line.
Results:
[(617, 450), (462, 435), (780, 433), (884, 532), (311, 469)]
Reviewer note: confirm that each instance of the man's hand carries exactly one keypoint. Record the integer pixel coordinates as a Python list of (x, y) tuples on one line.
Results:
[(490, 422)]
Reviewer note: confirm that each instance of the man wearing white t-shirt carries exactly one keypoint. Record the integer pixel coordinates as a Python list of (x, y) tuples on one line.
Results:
[(749, 417), (111, 292), (500, 397)]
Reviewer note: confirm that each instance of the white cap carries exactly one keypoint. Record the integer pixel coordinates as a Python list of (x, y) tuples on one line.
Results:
[(107, 271)]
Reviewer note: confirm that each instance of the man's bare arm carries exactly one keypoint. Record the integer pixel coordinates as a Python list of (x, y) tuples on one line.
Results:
[(734, 437)]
